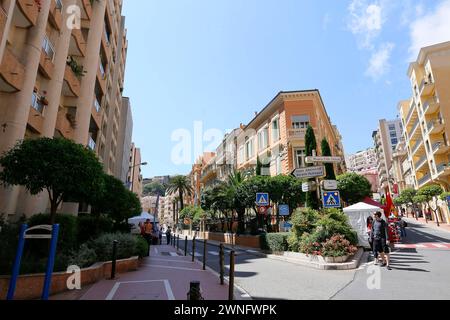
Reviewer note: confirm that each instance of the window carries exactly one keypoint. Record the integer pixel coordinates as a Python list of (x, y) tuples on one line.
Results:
[(248, 149), (299, 158), (276, 130), (391, 127), (47, 46), (394, 141), (263, 139), (393, 134), (300, 122)]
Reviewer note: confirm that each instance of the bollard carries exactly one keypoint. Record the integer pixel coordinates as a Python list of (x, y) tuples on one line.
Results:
[(222, 265), (205, 243), (231, 280), (114, 259), (193, 249), (194, 293), (185, 246), (178, 242)]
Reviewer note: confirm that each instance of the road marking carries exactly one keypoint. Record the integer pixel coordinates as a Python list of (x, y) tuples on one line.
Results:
[(173, 254), (439, 245), (156, 250), (167, 287), (167, 267), (214, 253), (167, 260)]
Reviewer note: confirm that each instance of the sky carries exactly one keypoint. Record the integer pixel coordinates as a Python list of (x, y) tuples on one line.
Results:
[(196, 68)]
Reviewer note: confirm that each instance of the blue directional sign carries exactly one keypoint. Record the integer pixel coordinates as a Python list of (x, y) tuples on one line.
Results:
[(262, 199), (448, 201), (288, 225), (284, 210), (331, 199)]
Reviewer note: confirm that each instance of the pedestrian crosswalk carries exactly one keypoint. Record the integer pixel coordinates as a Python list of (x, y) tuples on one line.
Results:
[(429, 246)]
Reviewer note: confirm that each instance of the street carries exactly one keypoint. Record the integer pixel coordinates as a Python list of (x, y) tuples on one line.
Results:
[(419, 271)]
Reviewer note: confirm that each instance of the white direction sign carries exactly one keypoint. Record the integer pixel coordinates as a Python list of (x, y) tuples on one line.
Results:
[(323, 159), (309, 172), (330, 184)]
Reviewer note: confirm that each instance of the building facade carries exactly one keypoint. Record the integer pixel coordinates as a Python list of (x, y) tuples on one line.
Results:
[(426, 119), (135, 171), (226, 155), (277, 134), (365, 160), (124, 141), (59, 79), (386, 138)]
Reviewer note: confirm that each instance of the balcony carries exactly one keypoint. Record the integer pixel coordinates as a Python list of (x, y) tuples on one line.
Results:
[(417, 146), (87, 6), (435, 126), (443, 168), (36, 103), (426, 87), (431, 106), (3, 20), (441, 147), (101, 77), (25, 13), (414, 128), (77, 44), (55, 16), (11, 73), (65, 124), (412, 110), (96, 112), (46, 65), (424, 180), (421, 162), (72, 87), (297, 134)]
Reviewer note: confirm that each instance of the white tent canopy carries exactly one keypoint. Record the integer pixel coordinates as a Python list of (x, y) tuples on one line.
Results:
[(358, 215), (142, 218)]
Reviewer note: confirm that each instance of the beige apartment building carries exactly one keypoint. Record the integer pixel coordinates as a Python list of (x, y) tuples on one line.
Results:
[(426, 118), (60, 79), (277, 134), (365, 160), (135, 171)]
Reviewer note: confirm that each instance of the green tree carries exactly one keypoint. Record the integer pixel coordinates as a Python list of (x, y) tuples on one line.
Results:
[(154, 188), (66, 170), (311, 145), (235, 180), (444, 196), (116, 202), (182, 185), (431, 196), (353, 187), (407, 198), (326, 152)]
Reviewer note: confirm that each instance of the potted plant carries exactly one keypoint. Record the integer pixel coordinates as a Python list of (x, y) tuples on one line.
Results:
[(43, 99)]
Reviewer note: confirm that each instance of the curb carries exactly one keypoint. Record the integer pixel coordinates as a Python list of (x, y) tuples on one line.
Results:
[(239, 293)]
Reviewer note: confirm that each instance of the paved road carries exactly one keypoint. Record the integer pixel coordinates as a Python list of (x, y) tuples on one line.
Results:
[(420, 271)]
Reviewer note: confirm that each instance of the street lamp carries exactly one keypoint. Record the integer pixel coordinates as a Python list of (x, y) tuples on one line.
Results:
[(132, 167)]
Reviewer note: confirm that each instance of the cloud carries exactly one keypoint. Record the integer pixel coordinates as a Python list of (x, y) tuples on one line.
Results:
[(326, 21), (366, 21), (431, 28), (379, 62)]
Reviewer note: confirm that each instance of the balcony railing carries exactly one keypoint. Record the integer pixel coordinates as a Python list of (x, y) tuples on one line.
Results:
[(36, 103), (438, 145), (442, 167), (417, 145), (416, 124), (424, 179), (48, 48), (411, 111), (421, 161), (297, 133), (430, 102), (91, 144), (427, 81), (433, 123), (97, 105)]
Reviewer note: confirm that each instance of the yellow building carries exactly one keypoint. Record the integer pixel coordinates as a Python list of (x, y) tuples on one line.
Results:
[(426, 119), (277, 134), (60, 79)]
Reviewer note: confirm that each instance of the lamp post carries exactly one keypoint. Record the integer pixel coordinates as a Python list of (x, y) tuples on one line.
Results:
[(132, 176)]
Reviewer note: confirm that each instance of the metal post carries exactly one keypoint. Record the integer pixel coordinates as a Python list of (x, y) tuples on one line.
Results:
[(178, 242), (194, 293), (231, 280), (114, 259), (222, 265), (193, 249), (205, 243), (50, 262), (185, 246), (16, 266)]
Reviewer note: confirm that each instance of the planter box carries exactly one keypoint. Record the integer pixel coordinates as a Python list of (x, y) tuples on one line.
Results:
[(29, 287)]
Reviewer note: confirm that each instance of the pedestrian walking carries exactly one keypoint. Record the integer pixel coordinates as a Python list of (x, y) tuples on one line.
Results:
[(168, 234), (160, 234), (148, 233), (369, 234), (380, 240), (403, 225)]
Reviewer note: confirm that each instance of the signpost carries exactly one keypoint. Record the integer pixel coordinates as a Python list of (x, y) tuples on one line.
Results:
[(331, 199), (262, 200), (330, 184), (309, 172), (284, 210)]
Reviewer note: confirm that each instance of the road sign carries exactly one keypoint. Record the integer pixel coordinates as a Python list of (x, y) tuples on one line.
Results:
[(330, 184), (287, 225), (331, 199), (284, 210), (323, 159), (448, 201), (309, 186), (262, 199), (263, 210), (309, 172)]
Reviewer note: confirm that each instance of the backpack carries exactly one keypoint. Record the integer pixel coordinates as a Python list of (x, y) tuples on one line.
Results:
[(404, 224)]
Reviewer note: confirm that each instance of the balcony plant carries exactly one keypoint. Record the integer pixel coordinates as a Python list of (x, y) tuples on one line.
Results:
[(77, 69), (43, 98)]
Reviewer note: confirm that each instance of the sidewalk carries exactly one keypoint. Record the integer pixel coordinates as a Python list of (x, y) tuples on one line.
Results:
[(165, 275), (431, 224)]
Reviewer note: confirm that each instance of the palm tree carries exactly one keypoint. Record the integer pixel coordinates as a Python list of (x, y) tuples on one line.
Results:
[(182, 185)]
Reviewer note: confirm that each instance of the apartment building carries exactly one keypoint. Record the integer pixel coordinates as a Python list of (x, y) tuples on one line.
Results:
[(361, 161), (226, 155), (426, 119), (400, 169), (196, 177), (124, 140), (61, 78), (135, 171), (277, 134), (386, 139)]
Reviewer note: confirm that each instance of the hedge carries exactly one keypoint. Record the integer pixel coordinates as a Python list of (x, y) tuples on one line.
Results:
[(275, 242)]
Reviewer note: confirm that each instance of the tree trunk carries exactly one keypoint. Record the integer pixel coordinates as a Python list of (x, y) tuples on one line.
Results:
[(436, 214), (241, 227), (53, 209), (181, 199)]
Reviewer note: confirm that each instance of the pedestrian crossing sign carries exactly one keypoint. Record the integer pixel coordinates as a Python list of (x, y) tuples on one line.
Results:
[(331, 199), (262, 199)]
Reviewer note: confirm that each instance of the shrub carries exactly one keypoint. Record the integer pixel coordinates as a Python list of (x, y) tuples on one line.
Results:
[(84, 257), (141, 247), (310, 244), (338, 246), (304, 221), (275, 242), (9, 238), (103, 246), (91, 227), (327, 227)]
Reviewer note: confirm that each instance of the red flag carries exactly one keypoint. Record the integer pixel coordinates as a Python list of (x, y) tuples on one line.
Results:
[(389, 205)]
